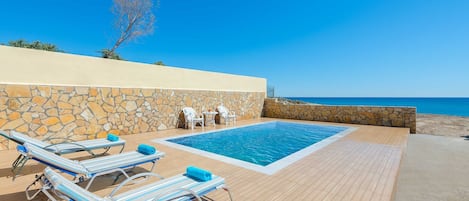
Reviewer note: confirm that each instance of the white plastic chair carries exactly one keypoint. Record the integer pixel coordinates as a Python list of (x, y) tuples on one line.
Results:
[(191, 118), (226, 114)]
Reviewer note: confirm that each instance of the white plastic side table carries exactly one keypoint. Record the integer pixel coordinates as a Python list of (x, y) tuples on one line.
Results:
[(210, 117)]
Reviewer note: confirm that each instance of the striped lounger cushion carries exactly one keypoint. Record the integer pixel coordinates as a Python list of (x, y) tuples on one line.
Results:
[(67, 148), (92, 166), (164, 189)]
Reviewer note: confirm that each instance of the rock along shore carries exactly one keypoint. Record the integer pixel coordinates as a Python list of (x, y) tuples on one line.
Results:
[(442, 125)]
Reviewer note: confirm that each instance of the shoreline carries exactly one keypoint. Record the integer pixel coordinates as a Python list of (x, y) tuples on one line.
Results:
[(443, 125)]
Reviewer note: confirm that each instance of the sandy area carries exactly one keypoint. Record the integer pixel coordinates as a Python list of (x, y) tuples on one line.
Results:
[(442, 125)]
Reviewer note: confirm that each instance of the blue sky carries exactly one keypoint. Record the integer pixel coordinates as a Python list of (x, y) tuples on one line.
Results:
[(366, 48)]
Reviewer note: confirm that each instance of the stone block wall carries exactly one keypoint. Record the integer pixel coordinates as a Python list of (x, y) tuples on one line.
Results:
[(80, 113), (379, 116)]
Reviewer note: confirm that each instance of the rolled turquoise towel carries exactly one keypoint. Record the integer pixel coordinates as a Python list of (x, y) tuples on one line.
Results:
[(198, 173), (146, 149), (111, 137)]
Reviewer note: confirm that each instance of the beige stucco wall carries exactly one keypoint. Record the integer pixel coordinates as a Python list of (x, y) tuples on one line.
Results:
[(49, 95), (35, 67)]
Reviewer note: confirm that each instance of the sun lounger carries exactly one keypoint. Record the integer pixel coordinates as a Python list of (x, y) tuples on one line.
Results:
[(180, 187), (90, 168), (68, 147)]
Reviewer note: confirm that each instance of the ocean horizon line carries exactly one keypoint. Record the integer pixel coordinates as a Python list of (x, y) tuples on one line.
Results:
[(451, 106)]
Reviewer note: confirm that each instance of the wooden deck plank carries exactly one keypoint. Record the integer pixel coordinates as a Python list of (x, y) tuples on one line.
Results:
[(360, 166)]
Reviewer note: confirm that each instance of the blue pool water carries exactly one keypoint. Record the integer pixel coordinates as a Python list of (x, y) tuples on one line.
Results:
[(442, 106), (260, 144)]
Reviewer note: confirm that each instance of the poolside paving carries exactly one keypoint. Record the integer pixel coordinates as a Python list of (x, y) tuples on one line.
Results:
[(434, 168), (363, 165)]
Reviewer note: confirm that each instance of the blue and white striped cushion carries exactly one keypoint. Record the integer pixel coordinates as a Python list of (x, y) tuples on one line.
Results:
[(94, 165), (122, 160), (68, 188), (55, 160), (67, 148), (164, 189), (167, 188), (25, 138)]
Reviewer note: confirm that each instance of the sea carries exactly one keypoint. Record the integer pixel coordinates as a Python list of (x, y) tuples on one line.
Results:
[(439, 106)]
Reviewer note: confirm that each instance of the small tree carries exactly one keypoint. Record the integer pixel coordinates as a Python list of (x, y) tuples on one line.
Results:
[(106, 53), (34, 45), (18, 43), (159, 63), (134, 18)]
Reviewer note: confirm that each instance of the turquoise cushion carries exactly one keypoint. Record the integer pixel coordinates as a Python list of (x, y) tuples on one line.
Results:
[(21, 148), (146, 149), (113, 138), (198, 173)]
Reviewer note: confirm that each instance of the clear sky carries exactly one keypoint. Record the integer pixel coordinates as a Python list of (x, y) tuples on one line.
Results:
[(324, 48)]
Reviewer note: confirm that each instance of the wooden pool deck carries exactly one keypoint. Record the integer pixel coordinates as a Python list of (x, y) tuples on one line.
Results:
[(363, 165)]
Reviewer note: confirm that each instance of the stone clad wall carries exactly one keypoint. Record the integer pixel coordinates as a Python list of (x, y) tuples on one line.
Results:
[(82, 113), (379, 116)]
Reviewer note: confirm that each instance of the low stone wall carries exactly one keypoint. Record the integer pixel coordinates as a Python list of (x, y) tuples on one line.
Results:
[(379, 116), (91, 112)]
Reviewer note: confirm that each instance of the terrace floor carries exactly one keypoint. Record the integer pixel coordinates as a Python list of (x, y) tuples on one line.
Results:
[(363, 165)]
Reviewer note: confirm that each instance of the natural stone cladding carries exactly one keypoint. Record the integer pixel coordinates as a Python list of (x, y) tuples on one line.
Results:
[(379, 116), (80, 113)]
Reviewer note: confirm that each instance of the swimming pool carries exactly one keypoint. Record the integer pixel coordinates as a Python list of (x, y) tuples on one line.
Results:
[(265, 147)]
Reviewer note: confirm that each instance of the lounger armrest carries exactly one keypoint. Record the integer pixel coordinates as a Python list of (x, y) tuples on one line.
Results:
[(8, 137), (189, 192), (5, 135), (58, 138), (130, 179), (58, 151)]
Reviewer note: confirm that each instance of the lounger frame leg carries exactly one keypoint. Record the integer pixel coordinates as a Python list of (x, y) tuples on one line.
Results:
[(225, 188), (130, 179), (104, 173), (18, 164), (122, 149), (27, 191), (106, 149), (228, 191), (51, 198), (127, 176)]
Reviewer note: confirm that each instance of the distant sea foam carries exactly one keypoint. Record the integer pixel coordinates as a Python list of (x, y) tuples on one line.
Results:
[(441, 106)]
